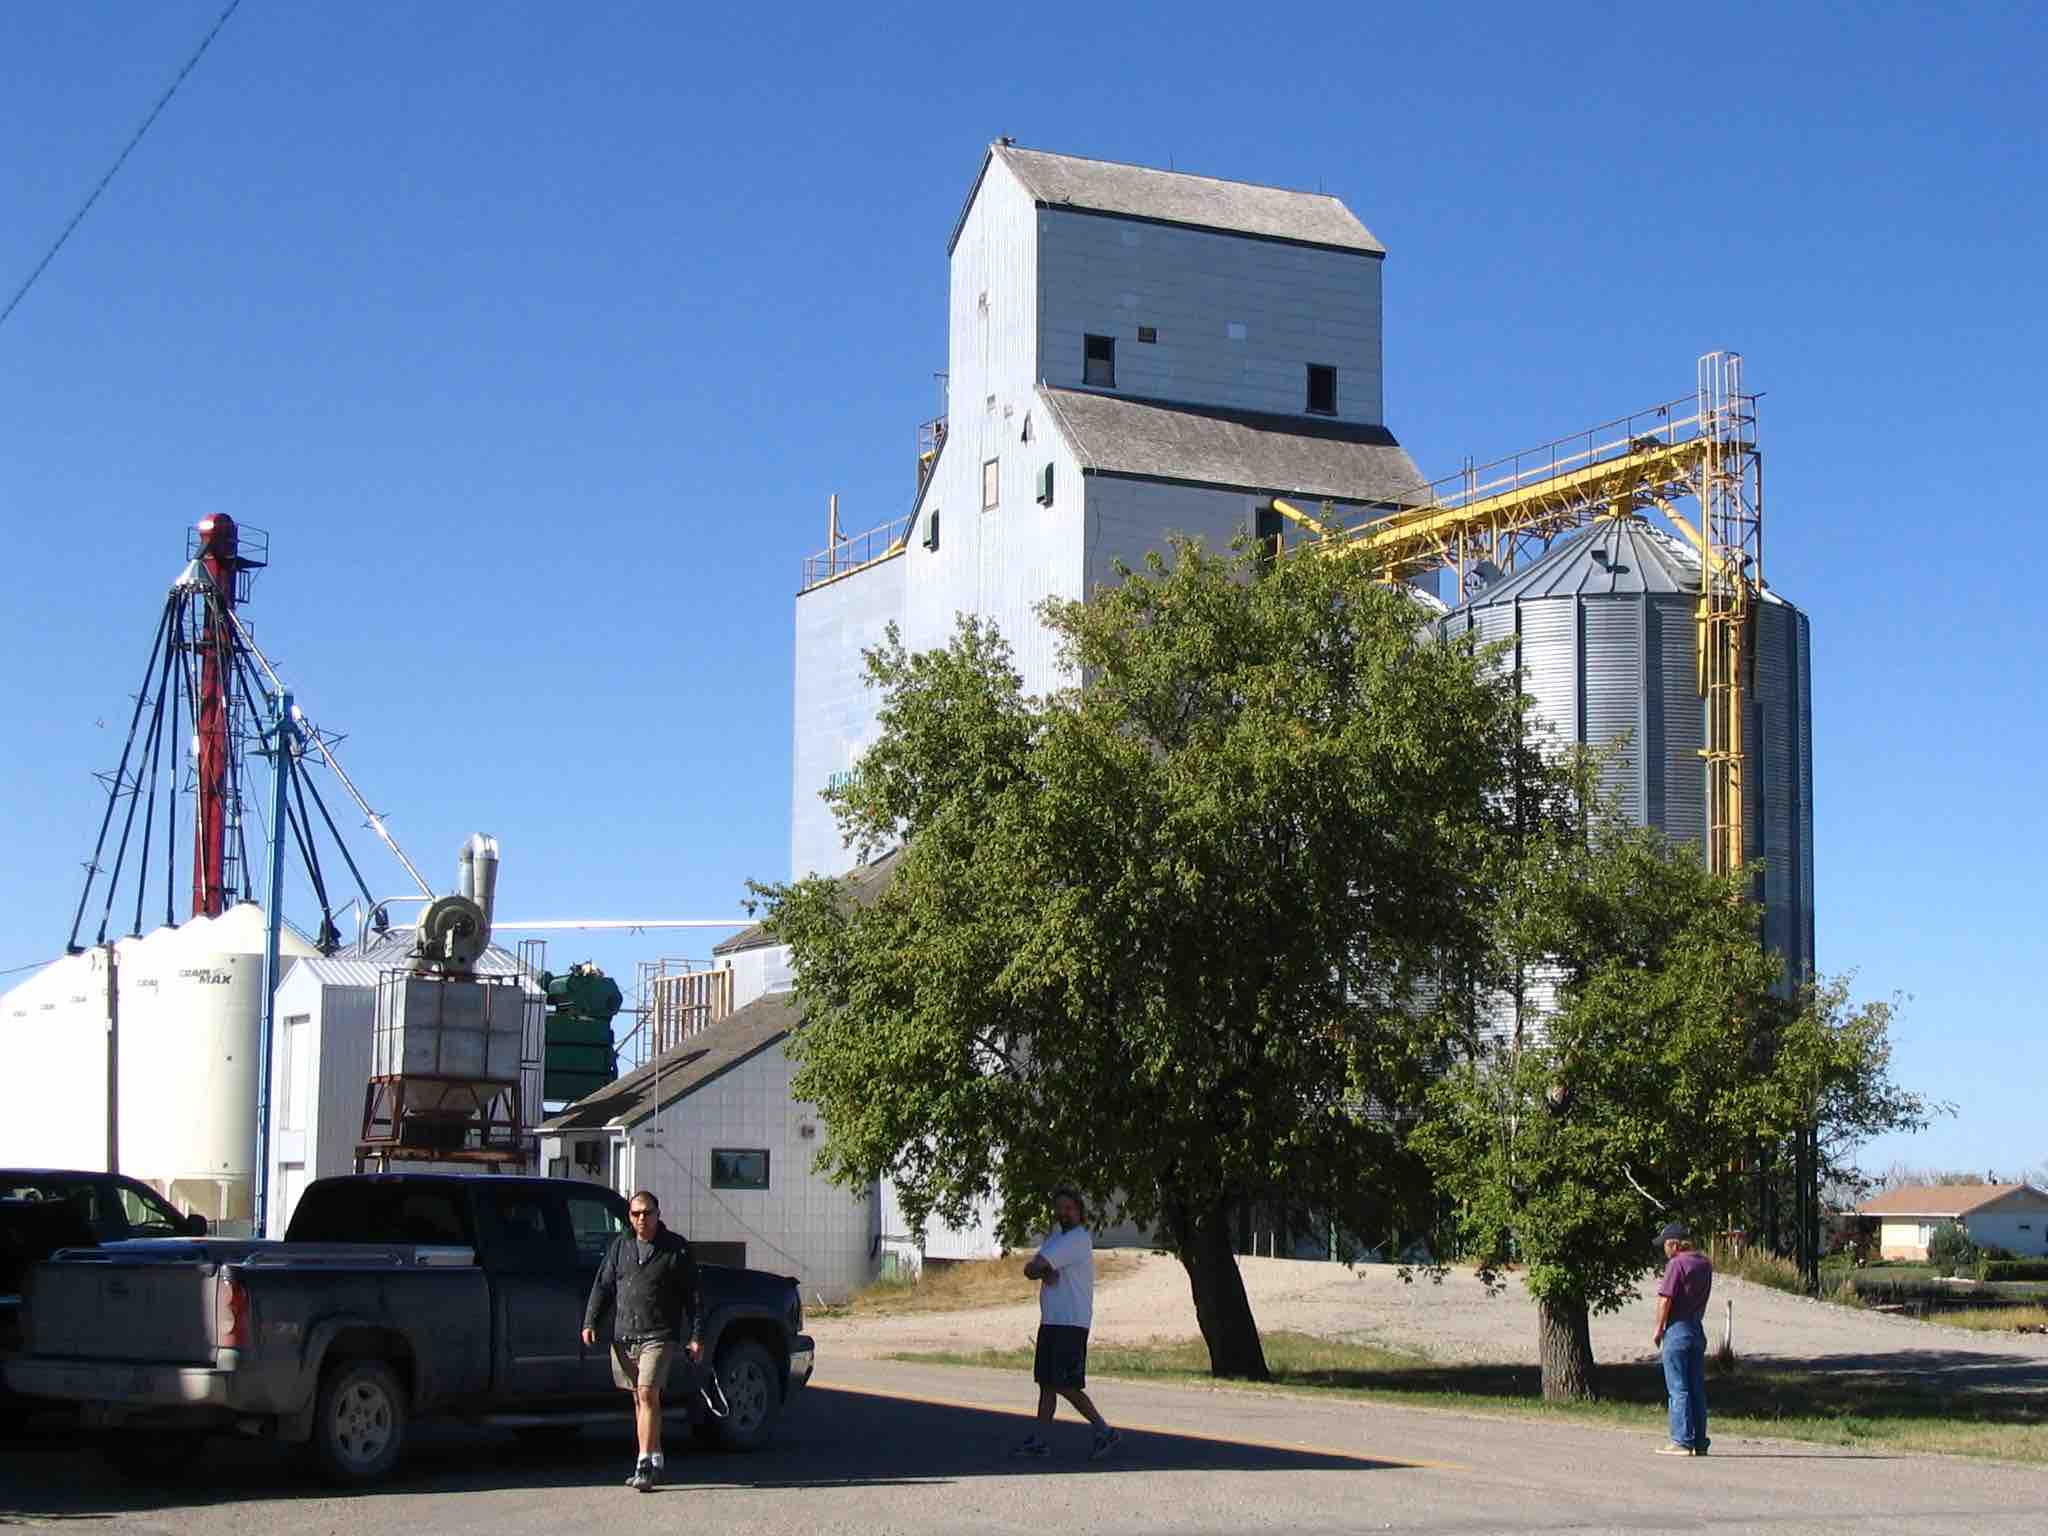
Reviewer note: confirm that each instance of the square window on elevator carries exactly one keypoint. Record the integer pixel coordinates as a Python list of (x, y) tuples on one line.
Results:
[(1322, 390), (991, 484), (1098, 362)]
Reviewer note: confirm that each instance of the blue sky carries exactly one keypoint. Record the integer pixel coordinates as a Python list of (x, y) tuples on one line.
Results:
[(537, 335)]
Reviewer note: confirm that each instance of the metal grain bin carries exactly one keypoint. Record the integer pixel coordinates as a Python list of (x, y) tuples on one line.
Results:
[(1603, 632)]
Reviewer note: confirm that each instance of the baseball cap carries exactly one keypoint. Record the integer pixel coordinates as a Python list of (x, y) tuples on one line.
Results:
[(1674, 1231)]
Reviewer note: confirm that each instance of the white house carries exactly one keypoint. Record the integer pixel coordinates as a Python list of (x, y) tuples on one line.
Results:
[(711, 1128), (2009, 1216)]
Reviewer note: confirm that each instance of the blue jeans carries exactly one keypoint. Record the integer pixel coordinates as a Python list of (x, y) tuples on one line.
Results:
[(1685, 1383)]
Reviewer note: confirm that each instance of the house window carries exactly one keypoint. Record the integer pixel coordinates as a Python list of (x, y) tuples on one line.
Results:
[(931, 532), (991, 485), (1148, 334), (1322, 389), (1098, 364), (739, 1168)]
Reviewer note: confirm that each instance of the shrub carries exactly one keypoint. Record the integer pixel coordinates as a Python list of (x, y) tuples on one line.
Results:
[(2014, 1269), (1754, 1264), (1950, 1250)]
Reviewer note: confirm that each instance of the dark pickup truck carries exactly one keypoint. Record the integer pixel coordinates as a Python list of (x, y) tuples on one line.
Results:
[(393, 1297)]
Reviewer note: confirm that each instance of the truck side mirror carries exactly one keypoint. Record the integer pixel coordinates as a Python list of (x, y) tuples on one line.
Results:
[(194, 1225)]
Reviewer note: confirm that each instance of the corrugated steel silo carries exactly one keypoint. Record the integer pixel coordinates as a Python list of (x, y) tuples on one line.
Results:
[(1604, 633)]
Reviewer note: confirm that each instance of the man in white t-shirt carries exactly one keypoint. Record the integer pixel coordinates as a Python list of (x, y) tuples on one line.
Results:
[(1064, 1268)]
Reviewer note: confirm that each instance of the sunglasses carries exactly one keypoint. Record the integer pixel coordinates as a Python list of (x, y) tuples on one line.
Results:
[(636, 1215)]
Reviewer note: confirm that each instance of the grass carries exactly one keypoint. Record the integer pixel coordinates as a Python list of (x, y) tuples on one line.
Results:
[(1875, 1410), (961, 1286), (1994, 1319)]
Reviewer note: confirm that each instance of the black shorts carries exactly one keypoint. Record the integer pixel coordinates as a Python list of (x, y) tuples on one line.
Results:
[(1062, 1358)]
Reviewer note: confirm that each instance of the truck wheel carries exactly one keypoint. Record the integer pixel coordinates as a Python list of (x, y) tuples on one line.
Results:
[(753, 1397), (359, 1421), (141, 1456)]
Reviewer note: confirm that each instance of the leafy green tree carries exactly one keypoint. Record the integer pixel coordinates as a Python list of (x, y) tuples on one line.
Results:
[(1670, 1057), (1174, 936)]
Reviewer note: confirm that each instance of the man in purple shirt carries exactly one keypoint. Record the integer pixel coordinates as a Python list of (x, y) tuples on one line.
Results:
[(1682, 1334)]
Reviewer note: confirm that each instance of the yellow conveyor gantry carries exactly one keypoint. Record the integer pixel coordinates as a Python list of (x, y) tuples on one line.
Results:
[(1699, 449)]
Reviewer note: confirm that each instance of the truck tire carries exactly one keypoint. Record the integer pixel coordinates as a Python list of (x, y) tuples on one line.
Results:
[(753, 1395), (359, 1422)]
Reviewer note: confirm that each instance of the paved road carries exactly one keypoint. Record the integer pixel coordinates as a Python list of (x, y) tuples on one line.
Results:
[(878, 1447)]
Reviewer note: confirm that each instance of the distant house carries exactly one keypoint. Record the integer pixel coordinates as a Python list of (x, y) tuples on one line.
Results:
[(2009, 1216)]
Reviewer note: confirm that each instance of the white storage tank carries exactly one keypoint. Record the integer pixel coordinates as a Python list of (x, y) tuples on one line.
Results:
[(53, 1039), (191, 1016)]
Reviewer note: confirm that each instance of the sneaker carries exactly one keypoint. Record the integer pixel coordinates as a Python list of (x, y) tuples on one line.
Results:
[(1030, 1445), (1701, 1448), (647, 1477), (1105, 1442), (1673, 1448), (633, 1480)]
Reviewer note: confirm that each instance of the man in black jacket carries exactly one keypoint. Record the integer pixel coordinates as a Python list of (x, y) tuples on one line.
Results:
[(648, 1284)]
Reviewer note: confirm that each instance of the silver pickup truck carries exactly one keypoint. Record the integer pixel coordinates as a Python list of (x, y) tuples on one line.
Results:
[(393, 1297)]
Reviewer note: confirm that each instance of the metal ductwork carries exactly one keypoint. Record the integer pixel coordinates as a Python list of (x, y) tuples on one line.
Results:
[(477, 874), (453, 933)]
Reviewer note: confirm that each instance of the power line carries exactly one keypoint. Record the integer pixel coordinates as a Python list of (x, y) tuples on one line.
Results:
[(120, 160)]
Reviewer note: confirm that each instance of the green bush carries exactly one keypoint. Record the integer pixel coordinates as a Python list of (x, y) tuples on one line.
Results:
[(2014, 1269), (1950, 1250)]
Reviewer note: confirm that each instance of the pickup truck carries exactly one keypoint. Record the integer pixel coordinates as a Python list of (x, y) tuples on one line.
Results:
[(44, 1209), (393, 1297)]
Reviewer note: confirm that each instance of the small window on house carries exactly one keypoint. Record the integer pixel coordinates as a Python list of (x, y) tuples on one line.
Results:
[(991, 485), (739, 1168), (1322, 389), (931, 532), (1148, 334), (1098, 365)]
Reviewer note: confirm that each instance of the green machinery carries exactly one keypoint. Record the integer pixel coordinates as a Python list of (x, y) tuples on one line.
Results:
[(582, 1002)]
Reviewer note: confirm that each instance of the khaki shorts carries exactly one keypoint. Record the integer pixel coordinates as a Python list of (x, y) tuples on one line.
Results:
[(644, 1364)]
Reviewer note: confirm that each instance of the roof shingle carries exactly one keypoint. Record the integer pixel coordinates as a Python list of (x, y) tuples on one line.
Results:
[(1175, 197), (681, 1070), (1244, 450), (1950, 1200)]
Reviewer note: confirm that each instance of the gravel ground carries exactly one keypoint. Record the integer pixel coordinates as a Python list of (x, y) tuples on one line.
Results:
[(1458, 1320)]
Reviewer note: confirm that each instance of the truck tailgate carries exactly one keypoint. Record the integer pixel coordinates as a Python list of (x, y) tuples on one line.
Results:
[(107, 1309)]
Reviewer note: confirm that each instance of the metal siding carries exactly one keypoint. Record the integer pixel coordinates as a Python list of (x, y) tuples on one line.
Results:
[(834, 708), (1547, 654), (1773, 755), (1000, 563), (802, 1224), (1613, 694), (1804, 822), (1107, 276), (1128, 519), (1681, 770)]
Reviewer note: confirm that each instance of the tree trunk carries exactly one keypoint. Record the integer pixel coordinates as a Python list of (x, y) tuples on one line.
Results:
[(1202, 1243), (1566, 1346)]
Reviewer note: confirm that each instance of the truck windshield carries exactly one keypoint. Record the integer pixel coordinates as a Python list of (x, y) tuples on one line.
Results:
[(367, 1212)]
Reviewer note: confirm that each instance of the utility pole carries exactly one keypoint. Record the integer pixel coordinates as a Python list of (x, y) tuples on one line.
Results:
[(282, 735)]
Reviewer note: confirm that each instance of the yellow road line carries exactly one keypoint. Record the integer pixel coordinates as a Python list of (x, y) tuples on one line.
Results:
[(1156, 1429)]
